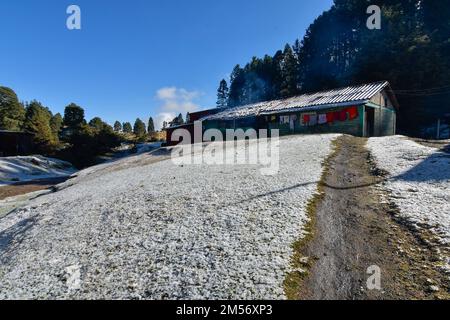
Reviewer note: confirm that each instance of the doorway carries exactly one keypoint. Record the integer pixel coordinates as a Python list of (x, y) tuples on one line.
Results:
[(370, 122)]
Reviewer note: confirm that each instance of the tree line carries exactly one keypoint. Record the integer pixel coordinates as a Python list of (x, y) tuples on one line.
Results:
[(69, 136), (411, 51)]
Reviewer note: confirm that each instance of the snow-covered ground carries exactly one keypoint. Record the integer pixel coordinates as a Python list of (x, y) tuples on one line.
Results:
[(419, 182), (146, 147), (137, 229), (15, 169)]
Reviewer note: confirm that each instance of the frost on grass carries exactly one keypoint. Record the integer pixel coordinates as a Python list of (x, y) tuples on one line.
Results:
[(136, 229), (14, 169), (419, 182)]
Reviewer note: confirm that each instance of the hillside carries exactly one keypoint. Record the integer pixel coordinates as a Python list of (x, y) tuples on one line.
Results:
[(139, 229)]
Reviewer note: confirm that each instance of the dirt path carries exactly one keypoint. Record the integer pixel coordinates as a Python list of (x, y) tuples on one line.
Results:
[(20, 188), (354, 229)]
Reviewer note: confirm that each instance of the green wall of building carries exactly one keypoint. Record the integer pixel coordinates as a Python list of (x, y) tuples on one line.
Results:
[(384, 123), (353, 127)]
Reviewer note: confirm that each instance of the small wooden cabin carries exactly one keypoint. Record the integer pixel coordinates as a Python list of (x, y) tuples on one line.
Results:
[(189, 125)]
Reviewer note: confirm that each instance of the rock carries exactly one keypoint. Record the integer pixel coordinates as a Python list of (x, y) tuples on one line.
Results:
[(304, 260), (73, 277), (433, 288)]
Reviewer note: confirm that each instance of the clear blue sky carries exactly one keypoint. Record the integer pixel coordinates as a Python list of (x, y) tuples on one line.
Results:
[(139, 58)]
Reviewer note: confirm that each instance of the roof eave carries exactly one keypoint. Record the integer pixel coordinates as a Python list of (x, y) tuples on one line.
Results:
[(315, 108)]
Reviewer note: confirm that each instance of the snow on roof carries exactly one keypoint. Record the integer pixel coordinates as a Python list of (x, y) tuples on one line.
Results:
[(334, 97)]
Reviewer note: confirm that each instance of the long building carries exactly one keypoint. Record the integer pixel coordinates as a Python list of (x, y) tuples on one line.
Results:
[(365, 110)]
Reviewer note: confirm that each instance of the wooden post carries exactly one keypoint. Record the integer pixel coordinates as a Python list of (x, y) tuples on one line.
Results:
[(438, 136)]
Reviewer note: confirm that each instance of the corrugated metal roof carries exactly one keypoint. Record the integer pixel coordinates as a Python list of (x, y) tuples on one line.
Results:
[(331, 98)]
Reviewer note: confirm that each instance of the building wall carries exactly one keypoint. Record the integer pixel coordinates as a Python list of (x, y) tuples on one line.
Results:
[(385, 115), (169, 132), (384, 121), (352, 127), (223, 125)]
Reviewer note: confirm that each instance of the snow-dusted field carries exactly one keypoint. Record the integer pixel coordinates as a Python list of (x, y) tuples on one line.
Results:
[(135, 229), (15, 169), (419, 182)]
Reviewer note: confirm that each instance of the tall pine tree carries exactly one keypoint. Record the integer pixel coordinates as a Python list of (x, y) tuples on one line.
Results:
[(74, 117), (151, 126), (222, 94), (127, 128), (289, 73), (139, 128), (117, 126), (37, 121), (237, 81), (12, 112)]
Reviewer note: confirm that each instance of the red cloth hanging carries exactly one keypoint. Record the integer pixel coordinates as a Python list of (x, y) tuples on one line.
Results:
[(306, 118), (343, 115), (330, 117), (336, 115), (353, 113)]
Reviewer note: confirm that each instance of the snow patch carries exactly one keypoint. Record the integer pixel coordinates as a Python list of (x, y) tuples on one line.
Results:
[(19, 169), (73, 275), (419, 182), (162, 231)]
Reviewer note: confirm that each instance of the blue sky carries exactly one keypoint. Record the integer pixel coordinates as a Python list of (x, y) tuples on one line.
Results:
[(139, 58)]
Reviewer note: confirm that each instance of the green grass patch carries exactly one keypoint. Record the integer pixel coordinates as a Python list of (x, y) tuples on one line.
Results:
[(294, 279)]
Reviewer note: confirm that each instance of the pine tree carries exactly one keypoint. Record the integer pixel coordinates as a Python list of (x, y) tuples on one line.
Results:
[(74, 116), (97, 124), (277, 74), (37, 121), (222, 94), (180, 120), (127, 128), (139, 128), (151, 126), (56, 123), (177, 121), (117, 126), (256, 87), (289, 73), (12, 113), (237, 82)]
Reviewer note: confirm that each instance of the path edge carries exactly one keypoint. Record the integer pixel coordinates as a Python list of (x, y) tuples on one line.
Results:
[(299, 266)]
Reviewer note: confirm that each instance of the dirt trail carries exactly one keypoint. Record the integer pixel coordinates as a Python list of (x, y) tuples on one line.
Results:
[(354, 229), (20, 188)]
